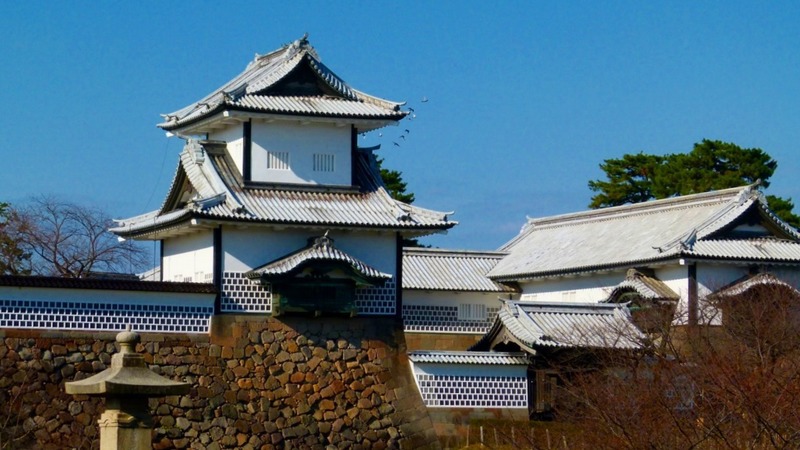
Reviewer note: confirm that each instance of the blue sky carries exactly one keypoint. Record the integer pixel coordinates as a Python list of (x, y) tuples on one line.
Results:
[(524, 99)]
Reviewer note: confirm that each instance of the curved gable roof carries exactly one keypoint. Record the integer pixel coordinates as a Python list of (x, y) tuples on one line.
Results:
[(262, 87), (320, 249), (647, 286), (537, 325)]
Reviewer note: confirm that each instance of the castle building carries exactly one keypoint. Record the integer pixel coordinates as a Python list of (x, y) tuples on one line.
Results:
[(274, 202)]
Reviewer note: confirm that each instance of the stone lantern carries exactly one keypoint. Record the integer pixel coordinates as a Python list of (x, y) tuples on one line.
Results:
[(126, 385)]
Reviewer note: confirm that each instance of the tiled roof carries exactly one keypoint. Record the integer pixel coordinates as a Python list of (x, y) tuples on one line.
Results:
[(106, 284), (746, 283), (565, 325), (646, 286), (482, 358), (322, 106), (222, 195), (250, 91), (450, 270), (764, 249), (637, 234), (319, 249)]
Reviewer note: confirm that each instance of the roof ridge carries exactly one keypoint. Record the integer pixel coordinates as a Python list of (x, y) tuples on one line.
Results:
[(770, 238), (555, 304), (453, 252), (649, 207)]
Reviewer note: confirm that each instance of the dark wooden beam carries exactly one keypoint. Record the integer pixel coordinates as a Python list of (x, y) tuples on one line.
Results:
[(218, 268), (247, 150)]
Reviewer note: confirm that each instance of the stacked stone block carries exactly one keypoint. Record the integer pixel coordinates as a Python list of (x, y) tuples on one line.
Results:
[(256, 384)]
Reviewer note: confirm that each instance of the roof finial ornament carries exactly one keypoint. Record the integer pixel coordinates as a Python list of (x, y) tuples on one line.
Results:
[(195, 150), (689, 241), (302, 42), (324, 242)]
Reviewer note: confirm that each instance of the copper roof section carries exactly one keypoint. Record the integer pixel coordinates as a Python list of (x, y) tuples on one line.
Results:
[(269, 84), (450, 270)]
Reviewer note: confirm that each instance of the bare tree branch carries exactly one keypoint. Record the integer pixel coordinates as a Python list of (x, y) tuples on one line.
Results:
[(70, 240)]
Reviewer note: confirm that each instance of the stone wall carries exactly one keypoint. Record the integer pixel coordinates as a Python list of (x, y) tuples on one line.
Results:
[(258, 383)]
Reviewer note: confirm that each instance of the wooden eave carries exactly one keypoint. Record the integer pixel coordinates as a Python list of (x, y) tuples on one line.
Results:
[(225, 115), (199, 222)]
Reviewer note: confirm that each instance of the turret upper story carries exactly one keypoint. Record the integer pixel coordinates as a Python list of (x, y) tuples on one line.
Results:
[(287, 119), (276, 147)]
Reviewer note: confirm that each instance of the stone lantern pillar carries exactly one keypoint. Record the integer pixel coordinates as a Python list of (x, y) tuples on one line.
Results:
[(126, 385)]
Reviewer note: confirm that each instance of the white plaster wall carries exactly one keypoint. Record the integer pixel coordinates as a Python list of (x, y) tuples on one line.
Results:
[(451, 298), (105, 296), (247, 248), (676, 277), (301, 142), (233, 136), (712, 277), (787, 274), (187, 256), (582, 289)]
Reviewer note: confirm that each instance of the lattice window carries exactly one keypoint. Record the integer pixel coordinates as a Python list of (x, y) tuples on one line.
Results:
[(464, 391), (278, 160), (323, 162), (444, 319), (105, 316), (377, 301), (240, 294)]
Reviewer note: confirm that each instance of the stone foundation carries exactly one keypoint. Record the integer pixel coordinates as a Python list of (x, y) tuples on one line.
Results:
[(258, 383)]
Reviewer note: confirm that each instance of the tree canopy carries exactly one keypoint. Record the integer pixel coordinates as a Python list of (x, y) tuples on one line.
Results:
[(14, 260), (711, 165), (398, 189), (393, 180)]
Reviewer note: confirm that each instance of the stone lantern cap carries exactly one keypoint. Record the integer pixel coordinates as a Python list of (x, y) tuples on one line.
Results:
[(127, 376)]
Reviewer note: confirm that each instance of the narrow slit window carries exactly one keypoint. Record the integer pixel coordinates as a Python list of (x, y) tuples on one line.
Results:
[(569, 296), (278, 160), (323, 162)]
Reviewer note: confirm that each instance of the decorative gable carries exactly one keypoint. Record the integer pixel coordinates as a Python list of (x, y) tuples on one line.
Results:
[(317, 279)]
